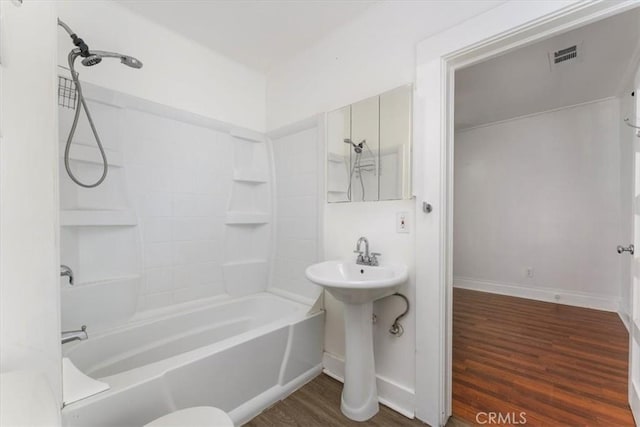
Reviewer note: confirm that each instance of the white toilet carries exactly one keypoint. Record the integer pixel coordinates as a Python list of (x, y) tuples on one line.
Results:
[(199, 416)]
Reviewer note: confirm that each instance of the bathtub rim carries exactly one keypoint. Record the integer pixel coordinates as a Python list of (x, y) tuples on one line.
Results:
[(242, 413), (175, 310), (131, 377)]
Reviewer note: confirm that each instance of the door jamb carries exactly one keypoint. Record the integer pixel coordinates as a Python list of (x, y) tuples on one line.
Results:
[(563, 20)]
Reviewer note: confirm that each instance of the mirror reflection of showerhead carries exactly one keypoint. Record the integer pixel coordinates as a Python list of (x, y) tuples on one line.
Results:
[(356, 147)]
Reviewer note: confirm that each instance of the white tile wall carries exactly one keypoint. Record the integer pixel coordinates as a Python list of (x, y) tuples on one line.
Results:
[(180, 179), (297, 211)]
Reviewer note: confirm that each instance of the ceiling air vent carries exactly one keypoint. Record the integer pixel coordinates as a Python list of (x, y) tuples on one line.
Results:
[(566, 55)]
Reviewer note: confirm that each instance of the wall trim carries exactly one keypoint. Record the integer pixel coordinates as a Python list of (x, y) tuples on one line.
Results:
[(494, 32), (547, 294), (117, 99), (393, 395), (538, 113), (293, 296), (295, 127), (625, 320)]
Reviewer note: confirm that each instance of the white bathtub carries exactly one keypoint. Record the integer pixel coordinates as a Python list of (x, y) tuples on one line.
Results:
[(240, 355)]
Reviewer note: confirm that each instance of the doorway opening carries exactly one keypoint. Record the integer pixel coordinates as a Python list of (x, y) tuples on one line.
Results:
[(543, 193)]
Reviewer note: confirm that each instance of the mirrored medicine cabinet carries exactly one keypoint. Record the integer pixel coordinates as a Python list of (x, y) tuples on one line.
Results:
[(369, 148)]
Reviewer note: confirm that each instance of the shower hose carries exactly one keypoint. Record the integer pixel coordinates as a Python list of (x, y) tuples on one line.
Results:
[(82, 104)]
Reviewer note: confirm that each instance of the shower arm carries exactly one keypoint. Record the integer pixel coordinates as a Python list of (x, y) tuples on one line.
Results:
[(83, 48), (66, 27)]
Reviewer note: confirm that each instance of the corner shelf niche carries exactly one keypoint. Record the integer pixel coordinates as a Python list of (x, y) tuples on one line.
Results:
[(93, 221), (248, 217)]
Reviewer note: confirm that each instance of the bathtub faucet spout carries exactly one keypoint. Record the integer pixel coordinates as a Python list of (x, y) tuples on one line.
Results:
[(65, 270), (79, 335)]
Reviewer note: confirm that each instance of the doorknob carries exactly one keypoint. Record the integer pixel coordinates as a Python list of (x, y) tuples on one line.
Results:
[(629, 249)]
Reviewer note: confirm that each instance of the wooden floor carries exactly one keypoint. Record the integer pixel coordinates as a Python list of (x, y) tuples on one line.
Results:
[(317, 404), (560, 365)]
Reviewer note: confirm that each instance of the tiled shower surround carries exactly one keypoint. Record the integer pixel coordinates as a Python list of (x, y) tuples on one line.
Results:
[(297, 210), (180, 178), (184, 214)]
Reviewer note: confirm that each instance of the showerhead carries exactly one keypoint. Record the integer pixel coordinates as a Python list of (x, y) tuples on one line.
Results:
[(131, 61), (356, 147), (94, 57), (91, 60), (97, 56)]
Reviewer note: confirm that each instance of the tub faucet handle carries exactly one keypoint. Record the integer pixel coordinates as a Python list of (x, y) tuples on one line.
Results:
[(374, 258)]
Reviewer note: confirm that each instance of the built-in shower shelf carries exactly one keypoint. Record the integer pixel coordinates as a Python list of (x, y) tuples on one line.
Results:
[(247, 218), (87, 154), (87, 218), (250, 176)]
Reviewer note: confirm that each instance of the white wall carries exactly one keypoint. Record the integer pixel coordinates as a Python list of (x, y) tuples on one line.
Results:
[(29, 255), (176, 71), (541, 192), (370, 55)]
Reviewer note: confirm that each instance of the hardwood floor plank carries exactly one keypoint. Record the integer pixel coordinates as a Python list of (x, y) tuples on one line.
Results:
[(561, 365), (317, 404)]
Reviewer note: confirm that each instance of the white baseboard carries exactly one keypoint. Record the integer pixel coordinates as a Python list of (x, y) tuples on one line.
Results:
[(560, 296), (395, 396)]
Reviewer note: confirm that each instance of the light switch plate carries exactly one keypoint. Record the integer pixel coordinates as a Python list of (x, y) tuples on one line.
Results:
[(402, 222)]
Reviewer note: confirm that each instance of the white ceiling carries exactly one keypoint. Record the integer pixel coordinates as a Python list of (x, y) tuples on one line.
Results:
[(257, 33), (522, 82)]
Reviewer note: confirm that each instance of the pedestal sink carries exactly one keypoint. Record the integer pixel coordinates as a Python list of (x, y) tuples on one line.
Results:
[(357, 286)]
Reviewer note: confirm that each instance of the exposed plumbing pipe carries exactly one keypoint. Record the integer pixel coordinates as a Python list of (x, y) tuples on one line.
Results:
[(396, 328)]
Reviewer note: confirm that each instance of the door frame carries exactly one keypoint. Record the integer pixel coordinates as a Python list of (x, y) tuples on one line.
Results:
[(509, 26)]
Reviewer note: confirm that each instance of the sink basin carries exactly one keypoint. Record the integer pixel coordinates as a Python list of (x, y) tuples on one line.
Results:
[(355, 284)]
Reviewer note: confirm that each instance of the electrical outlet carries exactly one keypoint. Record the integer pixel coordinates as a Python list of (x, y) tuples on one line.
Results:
[(402, 222), (529, 272)]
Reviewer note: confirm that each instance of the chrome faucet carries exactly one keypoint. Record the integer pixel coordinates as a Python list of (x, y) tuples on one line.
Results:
[(366, 258), (66, 271), (79, 335)]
